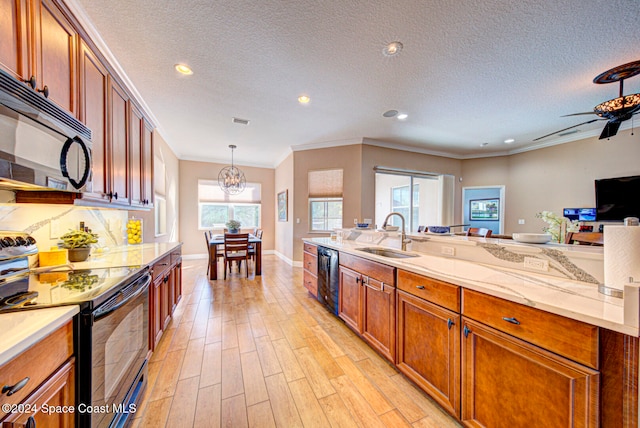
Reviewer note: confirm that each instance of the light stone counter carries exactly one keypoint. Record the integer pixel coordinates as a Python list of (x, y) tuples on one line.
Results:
[(574, 299), (20, 330), (127, 255)]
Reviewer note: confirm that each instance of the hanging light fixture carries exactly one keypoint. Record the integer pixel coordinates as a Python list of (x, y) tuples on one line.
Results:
[(230, 178)]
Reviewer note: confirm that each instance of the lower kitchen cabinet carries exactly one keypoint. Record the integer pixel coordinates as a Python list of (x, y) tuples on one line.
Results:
[(379, 316), (507, 382), (349, 299), (165, 293), (429, 349), (43, 376), (310, 269)]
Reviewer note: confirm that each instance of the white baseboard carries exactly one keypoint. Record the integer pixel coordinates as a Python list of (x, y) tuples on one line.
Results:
[(287, 259), (195, 256)]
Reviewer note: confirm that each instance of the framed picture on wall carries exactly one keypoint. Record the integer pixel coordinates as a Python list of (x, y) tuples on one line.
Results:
[(282, 206), (484, 209)]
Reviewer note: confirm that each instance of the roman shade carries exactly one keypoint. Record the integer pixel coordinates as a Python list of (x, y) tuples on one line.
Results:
[(209, 191), (326, 183)]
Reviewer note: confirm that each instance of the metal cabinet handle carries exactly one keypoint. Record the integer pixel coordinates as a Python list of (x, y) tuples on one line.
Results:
[(357, 279), (31, 82), (44, 91), (10, 390), (450, 323), (512, 320), (420, 287), (31, 422), (466, 331)]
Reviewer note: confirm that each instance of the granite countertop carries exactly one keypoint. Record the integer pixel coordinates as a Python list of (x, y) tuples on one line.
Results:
[(570, 298), (127, 255), (21, 330)]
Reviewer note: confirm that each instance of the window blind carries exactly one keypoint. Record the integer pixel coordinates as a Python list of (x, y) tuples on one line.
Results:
[(210, 191), (326, 183)]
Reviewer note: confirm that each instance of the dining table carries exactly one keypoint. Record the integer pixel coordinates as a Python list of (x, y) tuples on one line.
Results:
[(213, 254)]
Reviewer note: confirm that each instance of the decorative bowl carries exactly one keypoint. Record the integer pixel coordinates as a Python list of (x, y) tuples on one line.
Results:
[(362, 225), (438, 229), (532, 238)]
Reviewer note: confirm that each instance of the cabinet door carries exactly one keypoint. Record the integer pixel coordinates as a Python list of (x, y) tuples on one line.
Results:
[(165, 302), (379, 317), (135, 151), (119, 154), (147, 164), (13, 27), (509, 383), (55, 55), (155, 313), (177, 284), (429, 349), (94, 87), (55, 392), (349, 298)]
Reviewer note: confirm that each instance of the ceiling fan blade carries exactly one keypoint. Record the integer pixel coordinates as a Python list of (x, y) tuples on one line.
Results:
[(579, 114), (566, 129), (610, 129)]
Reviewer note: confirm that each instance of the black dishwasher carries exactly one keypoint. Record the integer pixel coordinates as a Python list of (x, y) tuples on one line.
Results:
[(328, 278)]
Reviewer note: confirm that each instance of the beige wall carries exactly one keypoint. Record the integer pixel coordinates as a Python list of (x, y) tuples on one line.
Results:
[(555, 177), (166, 169), (190, 172), (284, 180), (349, 158)]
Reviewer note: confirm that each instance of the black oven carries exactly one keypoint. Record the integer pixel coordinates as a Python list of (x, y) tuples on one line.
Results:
[(111, 353)]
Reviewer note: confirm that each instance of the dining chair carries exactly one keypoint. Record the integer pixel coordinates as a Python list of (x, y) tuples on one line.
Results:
[(208, 235), (585, 238), (236, 248), (482, 232)]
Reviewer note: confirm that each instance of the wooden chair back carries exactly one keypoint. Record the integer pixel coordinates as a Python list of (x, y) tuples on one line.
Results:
[(258, 233), (585, 238), (482, 232), (236, 248)]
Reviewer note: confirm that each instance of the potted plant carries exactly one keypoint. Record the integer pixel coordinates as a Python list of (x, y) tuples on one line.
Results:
[(233, 226), (78, 244)]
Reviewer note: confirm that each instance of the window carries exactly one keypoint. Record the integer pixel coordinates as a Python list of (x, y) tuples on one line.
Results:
[(325, 200), (215, 207), (400, 201), (326, 214)]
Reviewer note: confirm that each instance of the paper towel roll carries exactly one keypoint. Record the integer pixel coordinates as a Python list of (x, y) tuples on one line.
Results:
[(621, 255)]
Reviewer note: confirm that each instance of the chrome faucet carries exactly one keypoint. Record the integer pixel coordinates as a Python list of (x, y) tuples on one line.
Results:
[(403, 235)]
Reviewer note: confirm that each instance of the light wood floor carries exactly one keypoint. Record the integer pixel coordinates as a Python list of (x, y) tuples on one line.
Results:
[(261, 352)]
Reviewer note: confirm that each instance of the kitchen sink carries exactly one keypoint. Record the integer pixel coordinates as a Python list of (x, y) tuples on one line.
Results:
[(387, 252)]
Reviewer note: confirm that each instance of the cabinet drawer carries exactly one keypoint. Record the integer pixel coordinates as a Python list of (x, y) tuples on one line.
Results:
[(311, 248), (310, 282), (438, 292), (36, 363), (370, 268), (573, 339), (310, 263), (160, 267), (176, 255)]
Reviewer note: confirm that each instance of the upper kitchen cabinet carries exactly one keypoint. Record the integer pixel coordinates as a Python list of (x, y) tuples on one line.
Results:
[(140, 145), (40, 48), (94, 90), (13, 33), (118, 119)]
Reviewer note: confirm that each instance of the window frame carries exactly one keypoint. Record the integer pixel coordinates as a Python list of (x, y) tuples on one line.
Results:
[(326, 218), (230, 214)]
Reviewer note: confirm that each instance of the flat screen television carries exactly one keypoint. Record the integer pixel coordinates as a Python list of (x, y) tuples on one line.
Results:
[(617, 198)]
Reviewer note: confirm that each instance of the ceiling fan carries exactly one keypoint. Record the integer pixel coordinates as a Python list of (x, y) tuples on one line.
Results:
[(614, 111)]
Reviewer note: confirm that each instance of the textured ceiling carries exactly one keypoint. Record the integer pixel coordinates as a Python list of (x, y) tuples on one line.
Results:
[(470, 72)]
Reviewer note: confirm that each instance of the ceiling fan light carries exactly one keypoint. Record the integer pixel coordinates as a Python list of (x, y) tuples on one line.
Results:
[(620, 105)]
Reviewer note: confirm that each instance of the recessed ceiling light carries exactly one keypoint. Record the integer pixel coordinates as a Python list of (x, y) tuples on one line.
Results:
[(390, 113), (509, 140), (183, 69), (402, 116), (392, 49), (304, 99)]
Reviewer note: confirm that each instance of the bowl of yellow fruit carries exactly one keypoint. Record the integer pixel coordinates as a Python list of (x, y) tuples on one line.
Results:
[(134, 231)]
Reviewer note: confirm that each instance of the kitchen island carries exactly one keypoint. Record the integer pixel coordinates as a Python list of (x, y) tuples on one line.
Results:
[(491, 339)]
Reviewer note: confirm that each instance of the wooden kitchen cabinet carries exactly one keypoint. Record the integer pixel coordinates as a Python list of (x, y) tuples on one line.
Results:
[(507, 382), (119, 191), (40, 46), (48, 372), (141, 154), (166, 274), (175, 290), (429, 348), (310, 268), (147, 164), (366, 301), (13, 33)]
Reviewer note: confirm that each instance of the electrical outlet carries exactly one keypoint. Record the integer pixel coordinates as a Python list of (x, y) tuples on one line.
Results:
[(521, 221), (536, 264), (448, 251)]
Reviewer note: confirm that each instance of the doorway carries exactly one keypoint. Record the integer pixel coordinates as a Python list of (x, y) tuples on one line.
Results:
[(483, 206)]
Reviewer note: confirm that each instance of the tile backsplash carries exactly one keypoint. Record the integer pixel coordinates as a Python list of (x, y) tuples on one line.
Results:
[(47, 222)]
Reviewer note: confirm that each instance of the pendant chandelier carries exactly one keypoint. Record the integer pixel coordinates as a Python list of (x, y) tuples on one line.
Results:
[(230, 178)]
